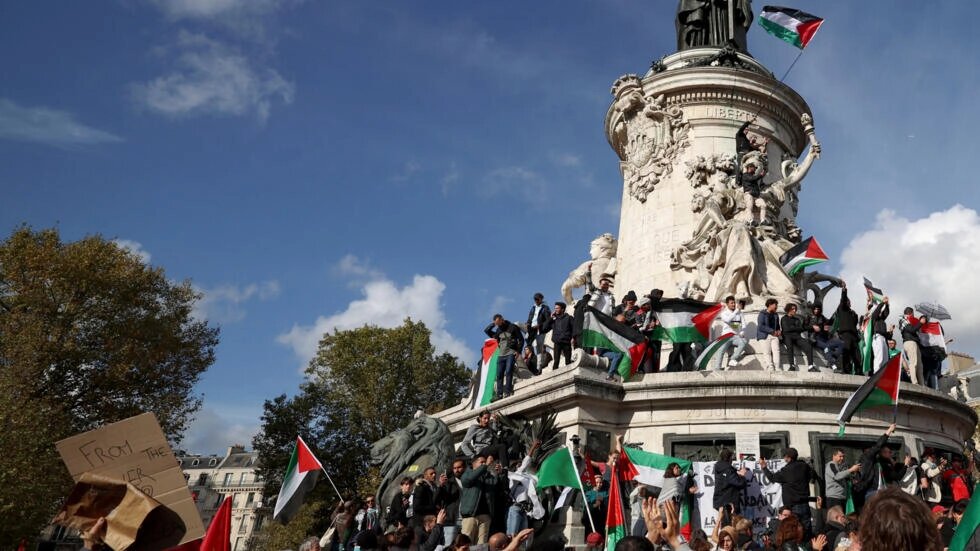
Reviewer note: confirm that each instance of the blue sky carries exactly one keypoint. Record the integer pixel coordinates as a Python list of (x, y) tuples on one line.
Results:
[(312, 165)]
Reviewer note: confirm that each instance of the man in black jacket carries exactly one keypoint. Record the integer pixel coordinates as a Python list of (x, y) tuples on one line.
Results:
[(729, 483), (536, 319), (423, 498), (562, 327), (794, 478), (846, 320), (878, 468), (447, 499), (793, 328), (510, 343)]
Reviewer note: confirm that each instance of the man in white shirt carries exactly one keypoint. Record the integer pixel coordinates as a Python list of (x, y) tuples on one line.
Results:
[(731, 322), (602, 299)]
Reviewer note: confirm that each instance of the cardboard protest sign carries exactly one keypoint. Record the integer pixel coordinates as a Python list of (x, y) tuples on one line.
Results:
[(135, 451), (131, 516)]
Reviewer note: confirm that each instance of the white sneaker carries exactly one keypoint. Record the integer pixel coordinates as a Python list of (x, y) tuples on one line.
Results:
[(813, 369), (732, 363)]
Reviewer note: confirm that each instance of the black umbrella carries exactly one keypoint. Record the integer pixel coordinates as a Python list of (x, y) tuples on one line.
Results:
[(933, 310)]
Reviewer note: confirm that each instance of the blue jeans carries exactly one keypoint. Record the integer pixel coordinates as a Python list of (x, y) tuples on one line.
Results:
[(802, 512), (505, 375), (516, 520), (614, 359), (449, 532), (739, 344)]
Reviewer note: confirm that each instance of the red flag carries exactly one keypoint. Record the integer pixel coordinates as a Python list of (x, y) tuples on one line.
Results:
[(218, 537), (589, 475)]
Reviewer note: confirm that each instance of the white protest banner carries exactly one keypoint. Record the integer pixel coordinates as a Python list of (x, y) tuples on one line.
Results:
[(760, 501)]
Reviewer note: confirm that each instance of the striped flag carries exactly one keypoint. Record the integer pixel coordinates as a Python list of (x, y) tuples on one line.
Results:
[(874, 293), (867, 342), (931, 334), (301, 475), (685, 320), (790, 25), (803, 255), (967, 525), (602, 331), (704, 359), (615, 519), (488, 375), (881, 389), (647, 467)]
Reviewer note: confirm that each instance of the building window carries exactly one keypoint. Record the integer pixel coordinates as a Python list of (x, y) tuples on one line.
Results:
[(202, 479), (242, 526), (228, 479), (243, 478), (195, 462), (250, 499), (258, 524), (706, 447), (213, 462)]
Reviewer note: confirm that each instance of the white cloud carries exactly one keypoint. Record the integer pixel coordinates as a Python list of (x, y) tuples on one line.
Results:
[(514, 181), (47, 126), (226, 303), (566, 159), (449, 179), (409, 169), (498, 305), (213, 431), (213, 78), (935, 258), (384, 304), (208, 9), (134, 247)]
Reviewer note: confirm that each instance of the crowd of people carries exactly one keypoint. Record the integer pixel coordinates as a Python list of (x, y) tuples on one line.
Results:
[(784, 340), (487, 502)]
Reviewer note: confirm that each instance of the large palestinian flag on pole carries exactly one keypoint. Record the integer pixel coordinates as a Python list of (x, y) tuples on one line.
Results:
[(881, 389), (685, 320), (602, 331), (301, 475), (615, 519), (790, 25), (709, 352), (803, 255), (867, 340), (488, 375)]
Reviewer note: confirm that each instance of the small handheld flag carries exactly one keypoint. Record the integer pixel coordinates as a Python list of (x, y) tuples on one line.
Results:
[(300, 478), (685, 320), (790, 25), (881, 389), (602, 331), (874, 293), (710, 351), (487, 376)]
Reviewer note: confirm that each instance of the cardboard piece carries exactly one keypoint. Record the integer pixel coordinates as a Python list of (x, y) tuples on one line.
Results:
[(131, 516), (135, 451)]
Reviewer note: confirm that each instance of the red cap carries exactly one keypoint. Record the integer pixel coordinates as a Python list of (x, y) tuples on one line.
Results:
[(938, 509), (595, 538)]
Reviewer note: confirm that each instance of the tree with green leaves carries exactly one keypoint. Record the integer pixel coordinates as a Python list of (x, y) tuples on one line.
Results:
[(362, 384), (89, 335)]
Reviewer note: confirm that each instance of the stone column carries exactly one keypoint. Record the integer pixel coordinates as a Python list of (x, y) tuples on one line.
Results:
[(685, 108)]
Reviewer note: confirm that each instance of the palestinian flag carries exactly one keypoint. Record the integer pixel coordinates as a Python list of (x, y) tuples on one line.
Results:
[(790, 25), (602, 331), (647, 467), (488, 375), (685, 320), (685, 518), (615, 519), (704, 359), (931, 334), (803, 255), (968, 524), (849, 504), (301, 475), (874, 293), (588, 475), (881, 389)]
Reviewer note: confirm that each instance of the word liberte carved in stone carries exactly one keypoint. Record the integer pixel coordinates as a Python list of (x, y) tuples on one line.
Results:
[(647, 135)]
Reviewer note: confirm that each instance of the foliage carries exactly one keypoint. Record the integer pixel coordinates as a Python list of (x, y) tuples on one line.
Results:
[(363, 384), (306, 523), (88, 335)]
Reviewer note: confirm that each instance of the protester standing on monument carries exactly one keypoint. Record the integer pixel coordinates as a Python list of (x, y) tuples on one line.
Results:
[(562, 328), (398, 512), (846, 321), (536, 319), (601, 299), (877, 316), (510, 342), (447, 499), (836, 477), (792, 336), (423, 497), (908, 326), (794, 478), (768, 331), (731, 322)]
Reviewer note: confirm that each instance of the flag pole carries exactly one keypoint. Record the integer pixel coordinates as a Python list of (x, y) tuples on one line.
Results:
[(331, 482), (582, 488)]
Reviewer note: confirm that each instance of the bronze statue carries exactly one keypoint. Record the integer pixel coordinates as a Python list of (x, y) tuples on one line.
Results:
[(702, 23)]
